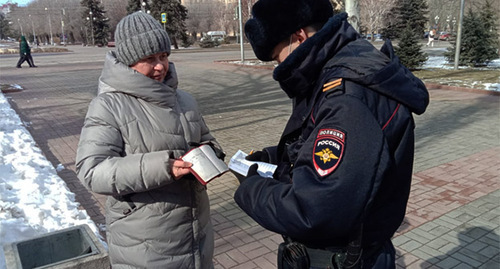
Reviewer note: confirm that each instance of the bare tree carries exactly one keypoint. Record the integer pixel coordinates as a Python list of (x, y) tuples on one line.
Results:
[(115, 10), (373, 14), (338, 4)]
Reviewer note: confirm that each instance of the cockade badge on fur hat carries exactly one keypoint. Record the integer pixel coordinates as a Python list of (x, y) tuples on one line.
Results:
[(139, 35), (275, 20)]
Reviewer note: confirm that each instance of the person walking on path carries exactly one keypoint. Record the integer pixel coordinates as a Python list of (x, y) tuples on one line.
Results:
[(432, 34), (344, 161), (135, 131), (24, 53)]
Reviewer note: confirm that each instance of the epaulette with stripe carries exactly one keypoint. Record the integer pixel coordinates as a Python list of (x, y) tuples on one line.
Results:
[(332, 84)]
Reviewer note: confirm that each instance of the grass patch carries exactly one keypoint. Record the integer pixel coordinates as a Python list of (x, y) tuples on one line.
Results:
[(469, 78)]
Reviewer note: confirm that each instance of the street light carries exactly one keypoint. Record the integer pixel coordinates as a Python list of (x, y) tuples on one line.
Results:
[(436, 19), (33, 27), (20, 26), (143, 6), (91, 27), (50, 28), (62, 25)]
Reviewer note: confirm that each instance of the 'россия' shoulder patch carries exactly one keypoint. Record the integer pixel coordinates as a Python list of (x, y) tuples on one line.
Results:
[(328, 150)]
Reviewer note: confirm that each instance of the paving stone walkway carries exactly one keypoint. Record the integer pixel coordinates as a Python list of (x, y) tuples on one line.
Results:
[(453, 214)]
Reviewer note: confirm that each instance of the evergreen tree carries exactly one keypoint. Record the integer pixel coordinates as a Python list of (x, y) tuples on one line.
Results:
[(4, 27), (478, 45), (176, 18), (136, 5), (489, 16), (409, 50), (97, 23), (406, 12)]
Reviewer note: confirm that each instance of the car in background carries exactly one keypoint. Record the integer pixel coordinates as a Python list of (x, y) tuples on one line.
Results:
[(378, 37), (218, 36), (445, 36)]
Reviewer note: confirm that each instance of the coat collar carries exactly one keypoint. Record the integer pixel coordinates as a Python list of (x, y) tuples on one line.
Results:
[(300, 69)]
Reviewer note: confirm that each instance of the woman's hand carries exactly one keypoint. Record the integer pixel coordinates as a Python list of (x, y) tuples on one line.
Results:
[(180, 168)]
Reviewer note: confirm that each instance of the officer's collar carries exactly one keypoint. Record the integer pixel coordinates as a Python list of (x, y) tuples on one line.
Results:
[(301, 68)]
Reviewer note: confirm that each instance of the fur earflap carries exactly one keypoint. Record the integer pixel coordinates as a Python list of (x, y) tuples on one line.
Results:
[(275, 20)]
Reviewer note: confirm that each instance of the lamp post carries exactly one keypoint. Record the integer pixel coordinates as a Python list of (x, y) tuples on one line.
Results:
[(91, 27), (20, 26), (242, 52), (143, 6), (50, 28), (63, 13), (436, 19), (33, 27)]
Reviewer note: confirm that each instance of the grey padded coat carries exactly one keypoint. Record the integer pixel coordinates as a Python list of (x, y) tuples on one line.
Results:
[(132, 129)]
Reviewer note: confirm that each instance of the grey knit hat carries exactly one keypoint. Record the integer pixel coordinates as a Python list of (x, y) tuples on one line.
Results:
[(139, 35)]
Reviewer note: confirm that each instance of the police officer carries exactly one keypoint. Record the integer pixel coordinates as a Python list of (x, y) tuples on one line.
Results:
[(345, 157)]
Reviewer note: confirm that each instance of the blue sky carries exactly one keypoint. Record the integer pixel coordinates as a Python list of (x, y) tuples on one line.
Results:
[(19, 2)]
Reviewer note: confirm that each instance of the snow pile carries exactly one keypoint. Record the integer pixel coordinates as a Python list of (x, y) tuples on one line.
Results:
[(34, 200)]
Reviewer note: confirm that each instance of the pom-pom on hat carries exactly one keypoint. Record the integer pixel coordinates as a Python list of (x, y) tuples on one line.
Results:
[(139, 35), (275, 20)]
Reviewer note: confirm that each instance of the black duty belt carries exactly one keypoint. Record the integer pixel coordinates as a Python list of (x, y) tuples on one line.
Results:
[(295, 255), (326, 259)]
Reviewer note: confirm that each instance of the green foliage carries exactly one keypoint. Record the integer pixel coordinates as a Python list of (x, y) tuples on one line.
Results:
[(409, 50), (98, 23), (136, 5), (406, 12), (479, 44), (187, 41), (490, 18), (133, 6), (4, 27), (176, 18)]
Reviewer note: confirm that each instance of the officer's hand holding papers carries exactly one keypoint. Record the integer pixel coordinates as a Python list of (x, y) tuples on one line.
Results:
[(239, 166)]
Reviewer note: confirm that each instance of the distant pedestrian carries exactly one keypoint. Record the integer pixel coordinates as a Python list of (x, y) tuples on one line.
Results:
[(24, 53), (432, 34)]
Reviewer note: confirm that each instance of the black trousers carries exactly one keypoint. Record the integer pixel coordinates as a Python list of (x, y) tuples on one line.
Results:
[(26, 58)]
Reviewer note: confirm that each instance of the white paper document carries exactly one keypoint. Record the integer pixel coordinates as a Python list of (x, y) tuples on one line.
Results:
[(206, 165), (239, 165)]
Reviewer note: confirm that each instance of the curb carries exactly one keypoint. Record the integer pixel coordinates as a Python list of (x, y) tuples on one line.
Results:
[(462, 89), (262, 66), (428, 85)]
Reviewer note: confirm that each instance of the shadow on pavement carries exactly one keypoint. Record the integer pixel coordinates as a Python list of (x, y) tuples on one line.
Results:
[(475, 244)]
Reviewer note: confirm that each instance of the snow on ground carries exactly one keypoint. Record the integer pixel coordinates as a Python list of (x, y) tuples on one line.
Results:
[(432, 62), (34, 200), (440, 62)]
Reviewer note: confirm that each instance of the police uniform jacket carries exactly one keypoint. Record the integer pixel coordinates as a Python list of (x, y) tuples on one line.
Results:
[(132, 129), (345, 156)]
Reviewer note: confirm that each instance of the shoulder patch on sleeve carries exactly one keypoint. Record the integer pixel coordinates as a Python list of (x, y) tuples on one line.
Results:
[(332, 84), (328, 150)]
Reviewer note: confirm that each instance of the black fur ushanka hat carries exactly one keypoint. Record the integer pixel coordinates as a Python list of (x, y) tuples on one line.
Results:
[(275, 20)]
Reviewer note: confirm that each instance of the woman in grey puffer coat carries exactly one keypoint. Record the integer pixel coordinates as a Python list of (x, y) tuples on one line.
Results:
[(157, 213)]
